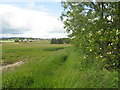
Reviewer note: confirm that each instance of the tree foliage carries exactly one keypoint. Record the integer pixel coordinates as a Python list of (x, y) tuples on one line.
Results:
[(60, 41), (94, 28), (16, 40)]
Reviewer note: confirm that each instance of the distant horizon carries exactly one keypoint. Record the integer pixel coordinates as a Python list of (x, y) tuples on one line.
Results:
[(31, 37)]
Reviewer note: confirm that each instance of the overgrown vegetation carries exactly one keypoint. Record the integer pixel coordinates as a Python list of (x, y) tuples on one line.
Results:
[(94, 28), (56, 69)]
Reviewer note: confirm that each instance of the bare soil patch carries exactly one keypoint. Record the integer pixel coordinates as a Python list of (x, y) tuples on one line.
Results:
[(12, 65)]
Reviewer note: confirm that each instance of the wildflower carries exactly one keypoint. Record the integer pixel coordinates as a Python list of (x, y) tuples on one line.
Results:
[(109, 52), (90, 49), (84, 57), (111, 43), (101, 56), (113, 63)]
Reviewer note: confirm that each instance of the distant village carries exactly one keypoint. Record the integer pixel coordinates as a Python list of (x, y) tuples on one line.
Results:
[(21, 39), (52, 40), (30, 40)]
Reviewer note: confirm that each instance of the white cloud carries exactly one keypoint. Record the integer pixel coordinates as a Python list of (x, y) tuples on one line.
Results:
[(31, 0), (29, 23)]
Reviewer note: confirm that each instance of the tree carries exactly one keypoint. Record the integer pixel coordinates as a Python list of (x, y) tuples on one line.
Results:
[(93, 27), (66, 40), (59, 41), (52, 41), (16, 40)]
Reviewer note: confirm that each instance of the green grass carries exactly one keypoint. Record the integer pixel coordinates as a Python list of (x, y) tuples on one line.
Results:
[(53, 48), (54, 66), (6, 40), (12, 52)]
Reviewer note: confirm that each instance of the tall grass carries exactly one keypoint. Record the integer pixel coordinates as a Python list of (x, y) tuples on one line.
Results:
[(62, 68), (36, 72)]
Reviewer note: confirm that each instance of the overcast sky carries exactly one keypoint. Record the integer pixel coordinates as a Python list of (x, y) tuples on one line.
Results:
[(31, 19)]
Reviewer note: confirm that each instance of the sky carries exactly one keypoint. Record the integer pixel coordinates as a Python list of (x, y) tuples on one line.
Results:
[(31, 19)]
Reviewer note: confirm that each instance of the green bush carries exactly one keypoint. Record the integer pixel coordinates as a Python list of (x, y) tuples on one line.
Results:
[(16, 40), (94, 28)]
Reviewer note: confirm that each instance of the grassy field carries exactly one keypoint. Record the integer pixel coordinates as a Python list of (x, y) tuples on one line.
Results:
[(53, 66), (6, 40)]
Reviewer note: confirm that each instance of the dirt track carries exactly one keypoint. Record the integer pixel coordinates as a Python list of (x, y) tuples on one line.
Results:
[(12, 65)]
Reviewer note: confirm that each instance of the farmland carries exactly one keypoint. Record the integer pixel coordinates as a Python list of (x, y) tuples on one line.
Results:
[(52, 66)]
